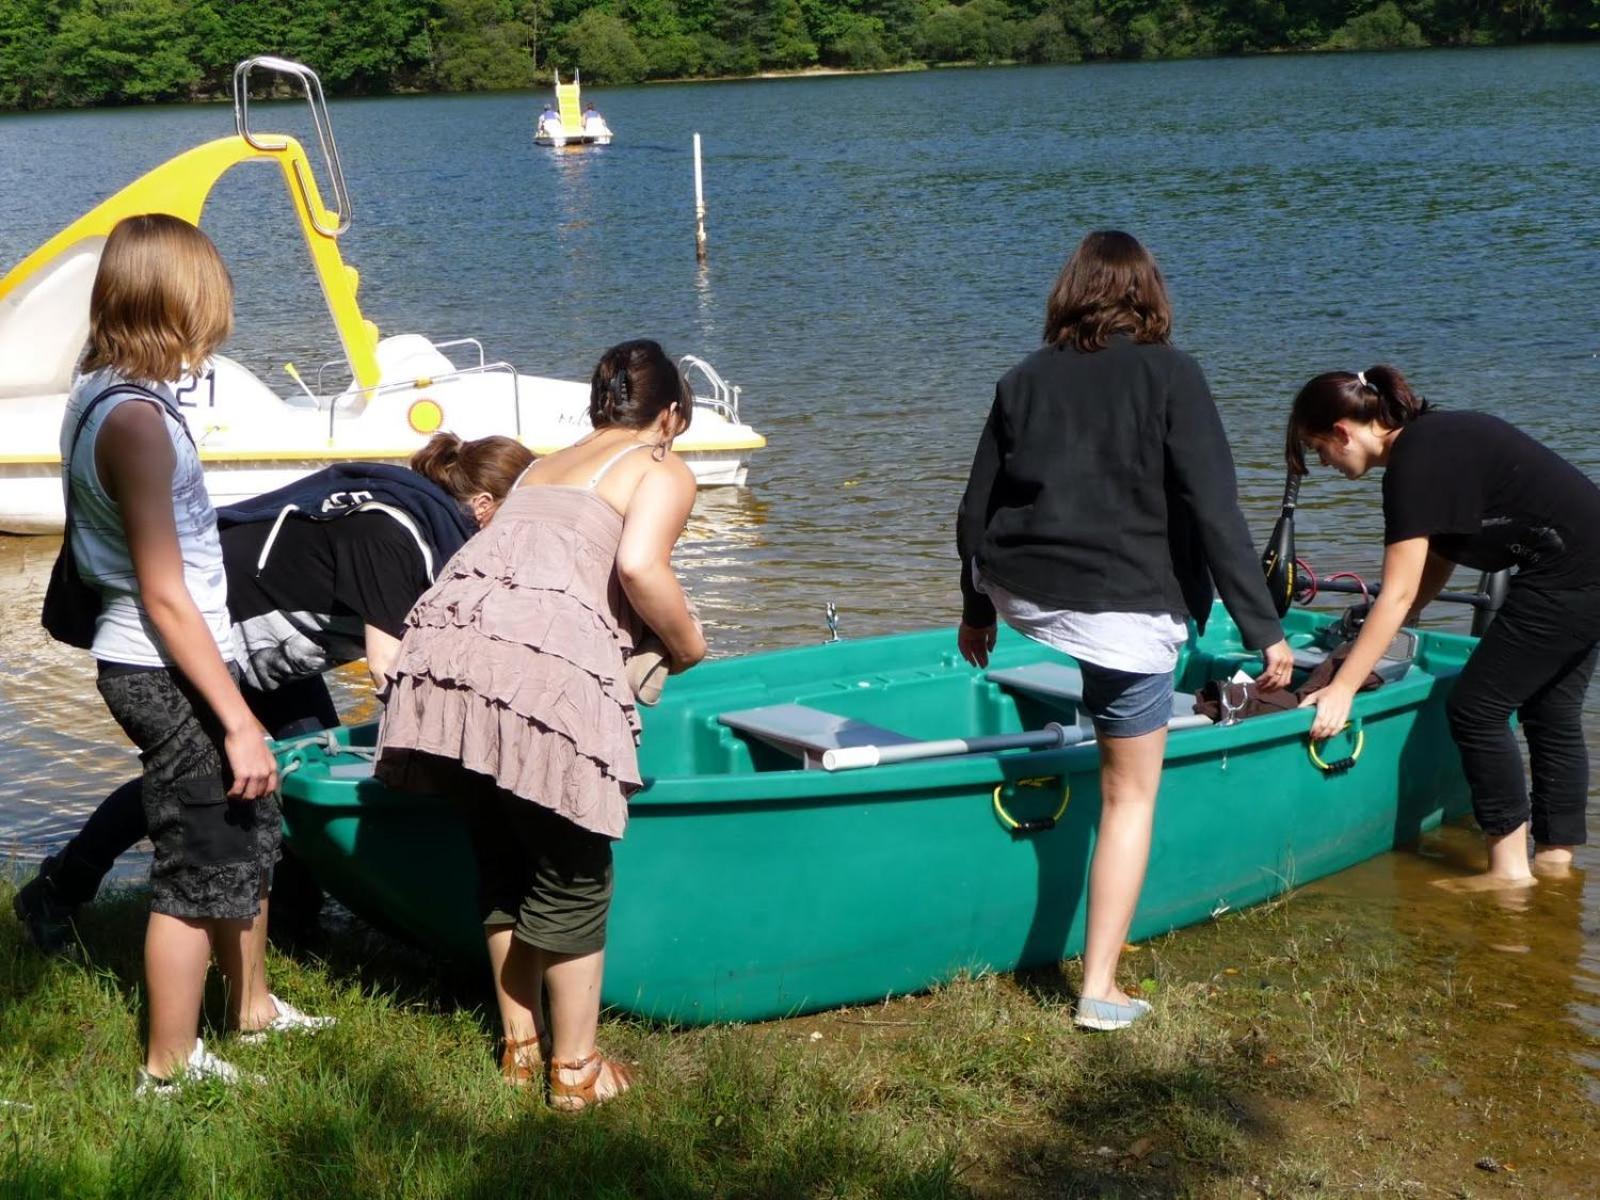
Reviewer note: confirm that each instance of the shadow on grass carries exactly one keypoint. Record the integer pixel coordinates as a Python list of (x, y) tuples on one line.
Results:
[(998, 1097)]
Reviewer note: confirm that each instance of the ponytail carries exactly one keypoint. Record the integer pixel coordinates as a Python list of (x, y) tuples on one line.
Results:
[(466, 469), (1377, 395)]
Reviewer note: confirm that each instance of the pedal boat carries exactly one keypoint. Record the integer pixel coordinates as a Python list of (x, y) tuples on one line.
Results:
[(750, 886), (378, 403), (570, 129)]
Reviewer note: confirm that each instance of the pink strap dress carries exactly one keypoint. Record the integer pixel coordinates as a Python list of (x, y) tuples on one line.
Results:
[(512, 664)]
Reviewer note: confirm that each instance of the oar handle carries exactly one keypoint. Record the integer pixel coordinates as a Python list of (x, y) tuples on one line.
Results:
[(851, 758)]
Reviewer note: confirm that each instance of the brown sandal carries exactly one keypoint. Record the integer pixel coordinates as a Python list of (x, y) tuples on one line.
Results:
[(520, 1069), (575, 1097)]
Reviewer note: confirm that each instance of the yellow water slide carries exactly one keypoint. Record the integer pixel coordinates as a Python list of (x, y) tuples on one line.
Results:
[(44, 300)]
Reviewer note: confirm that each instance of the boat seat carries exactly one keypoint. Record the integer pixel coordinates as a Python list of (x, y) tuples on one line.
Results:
[(807, 733), (1057, 681), (1398, 657)]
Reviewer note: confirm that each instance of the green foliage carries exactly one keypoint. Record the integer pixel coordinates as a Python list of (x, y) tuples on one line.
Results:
[(602, 47), (1384, 28), (88, 52)]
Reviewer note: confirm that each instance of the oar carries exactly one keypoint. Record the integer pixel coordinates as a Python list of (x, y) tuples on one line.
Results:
[(1277, 560), (1052, 737), (1490, 597)]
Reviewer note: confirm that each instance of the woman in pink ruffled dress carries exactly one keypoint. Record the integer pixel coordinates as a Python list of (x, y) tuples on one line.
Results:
[(509, 696)]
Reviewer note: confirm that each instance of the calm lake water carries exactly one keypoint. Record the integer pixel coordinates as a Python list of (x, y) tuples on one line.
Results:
[(880, 250)]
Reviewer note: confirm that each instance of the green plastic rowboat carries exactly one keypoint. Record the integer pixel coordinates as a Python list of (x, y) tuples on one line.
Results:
[(751, 885)]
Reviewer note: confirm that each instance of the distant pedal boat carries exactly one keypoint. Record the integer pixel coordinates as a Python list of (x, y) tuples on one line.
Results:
[(571, 127), (379, 403), (753, 882)]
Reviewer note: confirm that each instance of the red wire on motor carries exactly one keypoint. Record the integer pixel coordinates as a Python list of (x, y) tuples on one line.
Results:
[(1366, 597), (1309, 588)]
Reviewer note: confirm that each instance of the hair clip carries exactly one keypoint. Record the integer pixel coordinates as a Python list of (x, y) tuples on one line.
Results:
[(1361, 378)]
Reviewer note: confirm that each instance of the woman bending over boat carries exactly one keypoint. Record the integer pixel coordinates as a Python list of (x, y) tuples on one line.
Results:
[(509, 695), (1101, 505), (144, 536), (320, 573), (1468, 488)]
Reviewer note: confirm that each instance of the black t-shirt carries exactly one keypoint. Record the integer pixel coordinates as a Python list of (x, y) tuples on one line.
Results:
[(1488, 496), (304, 611)]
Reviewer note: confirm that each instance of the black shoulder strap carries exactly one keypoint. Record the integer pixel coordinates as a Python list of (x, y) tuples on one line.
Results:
[(83, 419)]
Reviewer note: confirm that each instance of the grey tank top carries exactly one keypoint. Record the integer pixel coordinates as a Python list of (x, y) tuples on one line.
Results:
[(123, 632)]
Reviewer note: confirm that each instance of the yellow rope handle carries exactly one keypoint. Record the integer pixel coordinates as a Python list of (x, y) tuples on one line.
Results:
[(1036, 825), (1341, 765)]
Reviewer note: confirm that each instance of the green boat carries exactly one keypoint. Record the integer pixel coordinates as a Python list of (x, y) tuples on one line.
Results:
[(755, 883)]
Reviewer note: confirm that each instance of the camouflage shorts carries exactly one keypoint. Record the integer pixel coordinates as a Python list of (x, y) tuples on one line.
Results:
[(213, 856)]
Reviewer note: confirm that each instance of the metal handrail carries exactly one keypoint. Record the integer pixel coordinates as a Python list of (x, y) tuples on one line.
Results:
[(440, 346), (723, 399), (320, 122), (448, 377)]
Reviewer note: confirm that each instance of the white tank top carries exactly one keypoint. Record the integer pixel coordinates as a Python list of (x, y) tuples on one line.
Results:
[(123, 633)]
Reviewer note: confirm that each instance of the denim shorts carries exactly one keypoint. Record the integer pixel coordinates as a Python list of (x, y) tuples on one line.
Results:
[(1125, 704)]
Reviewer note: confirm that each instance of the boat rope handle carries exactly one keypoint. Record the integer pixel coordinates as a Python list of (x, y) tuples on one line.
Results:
[(1339, 765), (1032, 824)]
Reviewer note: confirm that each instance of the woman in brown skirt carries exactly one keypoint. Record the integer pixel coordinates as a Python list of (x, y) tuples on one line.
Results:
[(509, 695)]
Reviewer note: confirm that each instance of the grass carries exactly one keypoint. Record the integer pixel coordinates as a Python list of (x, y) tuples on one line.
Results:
[(1308, 1064)]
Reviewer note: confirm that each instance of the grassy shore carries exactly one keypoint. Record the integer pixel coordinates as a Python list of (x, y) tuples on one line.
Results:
[(1288, 1056)]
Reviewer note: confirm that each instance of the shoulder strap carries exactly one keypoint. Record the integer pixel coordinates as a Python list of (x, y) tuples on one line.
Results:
[(83, 419), (613, 461)]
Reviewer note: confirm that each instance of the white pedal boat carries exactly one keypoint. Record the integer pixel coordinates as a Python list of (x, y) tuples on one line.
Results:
[(571, 126), (401, 389)]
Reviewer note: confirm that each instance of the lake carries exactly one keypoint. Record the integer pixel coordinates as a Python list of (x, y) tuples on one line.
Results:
[(880, 252)]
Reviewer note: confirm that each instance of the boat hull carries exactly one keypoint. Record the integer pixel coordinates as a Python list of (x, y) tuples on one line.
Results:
[(762, 891)]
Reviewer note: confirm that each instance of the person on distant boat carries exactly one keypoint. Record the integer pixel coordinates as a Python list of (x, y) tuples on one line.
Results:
[(1468, 488), (144, 535), (550, 122), (594, 125), (509, 695), (311, 587), (1101, 504)]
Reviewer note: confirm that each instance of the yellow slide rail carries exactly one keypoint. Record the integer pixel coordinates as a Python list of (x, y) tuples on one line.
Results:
[(181, 186), (567, 103)]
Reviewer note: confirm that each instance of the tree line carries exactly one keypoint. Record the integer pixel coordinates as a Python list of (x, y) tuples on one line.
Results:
[(75, 53)]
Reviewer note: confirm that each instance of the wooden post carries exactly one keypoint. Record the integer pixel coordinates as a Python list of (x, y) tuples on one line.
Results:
[(699, 207)]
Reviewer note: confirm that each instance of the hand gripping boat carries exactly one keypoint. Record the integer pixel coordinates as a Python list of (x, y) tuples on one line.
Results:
[(401, 389), (753, 882)]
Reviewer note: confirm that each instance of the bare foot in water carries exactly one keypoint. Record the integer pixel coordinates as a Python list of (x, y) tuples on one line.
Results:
[(1553, 862), (1487, 882)]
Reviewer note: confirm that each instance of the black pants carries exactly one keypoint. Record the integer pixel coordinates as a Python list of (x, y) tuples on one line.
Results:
[(1536, 661), (303, 706)]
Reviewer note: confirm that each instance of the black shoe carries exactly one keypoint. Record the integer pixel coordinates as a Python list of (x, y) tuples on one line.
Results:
[(45, 917)]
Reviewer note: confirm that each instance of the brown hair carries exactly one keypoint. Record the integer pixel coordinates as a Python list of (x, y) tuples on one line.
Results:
[(634, 383), (1378, 394), (162, 300), (1111, 284), (487, 464)]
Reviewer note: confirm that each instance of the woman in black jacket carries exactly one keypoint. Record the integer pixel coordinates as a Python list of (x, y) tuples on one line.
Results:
[(1101, 505)]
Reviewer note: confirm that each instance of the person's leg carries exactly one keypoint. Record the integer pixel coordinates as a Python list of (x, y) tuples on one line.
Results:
[(113, 828), (1552, 722), (1130, 775), (241, 948), (564, 915), (518, 971), (294, 709), (177, 952), (1529, 645)]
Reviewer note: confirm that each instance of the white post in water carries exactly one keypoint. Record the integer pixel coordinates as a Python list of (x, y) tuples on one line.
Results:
[(699, 207)]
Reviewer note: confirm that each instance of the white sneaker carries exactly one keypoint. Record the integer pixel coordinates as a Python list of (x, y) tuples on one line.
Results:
[(201, 1064), (289, 1020)]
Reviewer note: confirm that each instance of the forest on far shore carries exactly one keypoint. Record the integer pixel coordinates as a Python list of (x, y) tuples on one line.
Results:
[(77, 53)]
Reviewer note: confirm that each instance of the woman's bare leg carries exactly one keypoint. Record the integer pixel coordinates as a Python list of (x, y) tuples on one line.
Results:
[(574, 985), (1130, 775), (518, 968)]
